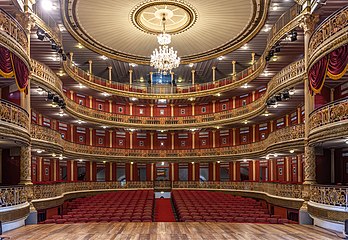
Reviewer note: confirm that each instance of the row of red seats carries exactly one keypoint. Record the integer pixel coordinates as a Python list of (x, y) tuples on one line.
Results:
[(205, 206), (122, 206)]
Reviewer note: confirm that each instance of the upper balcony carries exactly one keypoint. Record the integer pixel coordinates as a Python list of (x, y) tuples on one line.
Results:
[(286, 78)]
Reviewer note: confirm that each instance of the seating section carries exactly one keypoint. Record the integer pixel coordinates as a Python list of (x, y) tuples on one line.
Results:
[(121, 206), (206, 206)]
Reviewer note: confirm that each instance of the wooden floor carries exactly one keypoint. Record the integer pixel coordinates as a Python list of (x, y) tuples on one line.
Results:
[(177, 230)]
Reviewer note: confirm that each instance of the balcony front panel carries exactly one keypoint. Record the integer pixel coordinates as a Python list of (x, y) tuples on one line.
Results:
[(14, 122), (283, 139)]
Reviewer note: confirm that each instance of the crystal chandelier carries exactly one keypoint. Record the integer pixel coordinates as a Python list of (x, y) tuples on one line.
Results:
[(164, 59)]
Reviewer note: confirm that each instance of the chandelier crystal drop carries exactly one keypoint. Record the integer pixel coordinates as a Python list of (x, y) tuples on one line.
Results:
[(164, 59)]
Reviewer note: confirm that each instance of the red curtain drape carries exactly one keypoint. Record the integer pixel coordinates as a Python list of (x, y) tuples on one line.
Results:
[(12, 66), (334, 65)]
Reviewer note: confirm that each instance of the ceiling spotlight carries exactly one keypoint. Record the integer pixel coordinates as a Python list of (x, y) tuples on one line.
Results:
[(218, 94), (162, 163), (106, 94), (266, 114), (39, 151), (246, 122), (104, 127), (54, 155), (275, 155), (191, 99), (80, 160), (292, 91), (347, 141), (133, 64), (61, 157), (40, 91), (245, 47), (275, 58), (81, 86), (244, 160), (79, 121), (47, 5), (104, 161), (220, 58), (275, 7), (193, 129), (133, 99), (193, 162), (267, 157), (218, 161), (104, 57), (141, 79), (61, 114), (131, 162), (245, 85), (191, 65), (79, 45), (292, 151)]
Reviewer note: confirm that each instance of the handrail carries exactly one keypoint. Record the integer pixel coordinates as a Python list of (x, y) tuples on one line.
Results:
[(287, 76), (47, 191), (275, 189), (330, 34), (13, 195), (47, 136), (329, 195), (13, 29), (11, 113), (329, 113), (281, 27)]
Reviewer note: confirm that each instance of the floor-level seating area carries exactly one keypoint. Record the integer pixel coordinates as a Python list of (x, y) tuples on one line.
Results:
[(207, 206), (121, 206)]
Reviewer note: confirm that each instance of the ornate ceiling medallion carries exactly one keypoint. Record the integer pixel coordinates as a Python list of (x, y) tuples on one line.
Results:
[(147, 16)]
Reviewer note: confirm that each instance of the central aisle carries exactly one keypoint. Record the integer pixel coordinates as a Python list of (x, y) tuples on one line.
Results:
[(163, 210)]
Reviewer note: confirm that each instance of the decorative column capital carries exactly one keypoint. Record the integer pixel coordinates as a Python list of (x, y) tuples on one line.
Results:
[(308, 22), (110, 67), (90, 61)]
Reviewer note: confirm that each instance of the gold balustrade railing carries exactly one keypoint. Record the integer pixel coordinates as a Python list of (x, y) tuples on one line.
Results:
[(46, 191), (330, 113), (13, 114), (288, 21), (13, 195), (329, 35), (13, 30), (288, 76), (329, 195), (48, 136), (275, 189)]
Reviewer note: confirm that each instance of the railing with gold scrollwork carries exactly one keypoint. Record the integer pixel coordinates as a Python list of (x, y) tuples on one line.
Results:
[(282, 136), (49, 78), (285, 23), (329, 35), (275, 189), (13, 195), (12, 29), (45, 191), (328, 114), (13, 114), (329, 195)]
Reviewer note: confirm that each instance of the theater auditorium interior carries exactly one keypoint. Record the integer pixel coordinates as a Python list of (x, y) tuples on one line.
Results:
[(173, 119)]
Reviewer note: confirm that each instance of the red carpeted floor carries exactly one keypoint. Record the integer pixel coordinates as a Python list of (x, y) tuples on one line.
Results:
[(164, 210)]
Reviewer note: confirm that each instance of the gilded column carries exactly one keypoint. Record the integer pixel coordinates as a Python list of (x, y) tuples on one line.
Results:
[(287, 120), (254, 133), (173, 140), (193, 108), (254, 170), (110, 74), (152, 171), (234, 171), (193, 171), (193, 139), (131, 109), (72, 95), (271, 127), (233, 137), (39, 170), (233, 70), (253, 96), (130, 76), (55, 170), (90, 101), (299, 115), (130, 140), (151, 110), (214, 110), (110, 137), (214, 142), (91, 171), (91, 136), (214, 73), (172, 110), (214, 171), (131, 171), (90, 69), (233, 102), (193, 76), (72, 170), (25, 165), (151, 140), (110, 106)]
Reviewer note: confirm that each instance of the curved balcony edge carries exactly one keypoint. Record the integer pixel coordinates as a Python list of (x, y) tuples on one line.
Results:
[(287, 77), (282, 139), (219, 86), (13, 36), (332, 33), (14, 122), (329, 122)]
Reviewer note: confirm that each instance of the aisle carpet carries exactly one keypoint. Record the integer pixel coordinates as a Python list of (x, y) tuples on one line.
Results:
[(163, 210)]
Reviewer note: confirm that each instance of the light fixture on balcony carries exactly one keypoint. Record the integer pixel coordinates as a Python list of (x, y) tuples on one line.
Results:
[(164, 59), (292, 151)]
